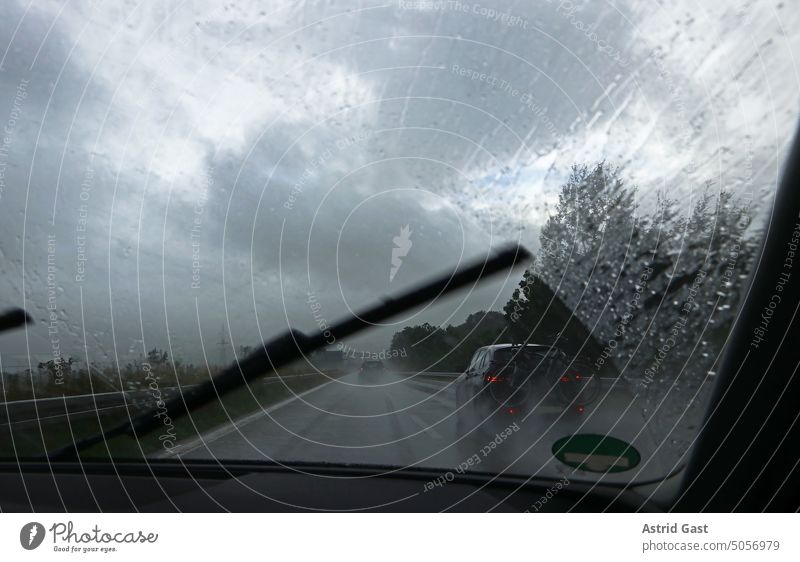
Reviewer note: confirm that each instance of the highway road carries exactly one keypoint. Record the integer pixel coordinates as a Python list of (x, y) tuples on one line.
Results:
[(398, 419)]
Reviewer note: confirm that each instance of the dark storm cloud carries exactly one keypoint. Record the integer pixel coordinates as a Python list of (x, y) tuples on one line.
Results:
[(199, 167)]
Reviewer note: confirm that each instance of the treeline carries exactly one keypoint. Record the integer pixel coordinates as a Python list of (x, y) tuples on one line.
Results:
[(637, 294), (64, 376)]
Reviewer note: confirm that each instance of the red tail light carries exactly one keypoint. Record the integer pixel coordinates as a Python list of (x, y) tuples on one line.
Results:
[(580, 409), (565, 379), (493, 378)]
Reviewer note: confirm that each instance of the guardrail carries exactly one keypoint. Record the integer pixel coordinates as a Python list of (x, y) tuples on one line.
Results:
[(20, 411), (30, 410)]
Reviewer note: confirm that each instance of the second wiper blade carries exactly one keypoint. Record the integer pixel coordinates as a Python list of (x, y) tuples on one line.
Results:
[(14, 318), (294, 345)]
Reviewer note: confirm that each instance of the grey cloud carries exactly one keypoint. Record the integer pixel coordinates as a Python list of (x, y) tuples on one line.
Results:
[(468, 124)]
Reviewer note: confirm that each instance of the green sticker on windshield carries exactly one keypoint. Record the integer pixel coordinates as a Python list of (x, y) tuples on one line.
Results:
[(596, 453)]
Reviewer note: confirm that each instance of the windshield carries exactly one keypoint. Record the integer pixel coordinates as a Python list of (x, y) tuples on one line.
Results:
[(180, 183)]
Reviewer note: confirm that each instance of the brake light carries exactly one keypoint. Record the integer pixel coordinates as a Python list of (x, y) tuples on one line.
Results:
[(565, 379), (580, 409), (512, 410), (493, 378)]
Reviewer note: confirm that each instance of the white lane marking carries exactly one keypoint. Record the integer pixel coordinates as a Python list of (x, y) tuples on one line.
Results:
[(428, 429), (448, 403), (216, 434)]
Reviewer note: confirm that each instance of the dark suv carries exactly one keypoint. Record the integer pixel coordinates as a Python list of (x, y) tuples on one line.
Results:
[(508, 378)]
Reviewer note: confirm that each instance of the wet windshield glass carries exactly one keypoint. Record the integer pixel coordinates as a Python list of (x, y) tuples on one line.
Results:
[(181, 182)]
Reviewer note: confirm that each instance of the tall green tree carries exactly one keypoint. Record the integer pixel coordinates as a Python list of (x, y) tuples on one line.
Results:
[(650, 296)]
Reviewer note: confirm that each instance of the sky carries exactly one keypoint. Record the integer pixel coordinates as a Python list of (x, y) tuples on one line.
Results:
[(176, 172)]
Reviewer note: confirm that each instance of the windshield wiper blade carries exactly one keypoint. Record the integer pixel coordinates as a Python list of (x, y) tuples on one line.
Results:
[(294, 345)]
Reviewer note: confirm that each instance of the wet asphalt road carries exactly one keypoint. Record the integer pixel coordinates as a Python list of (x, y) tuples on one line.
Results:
[(402, 419)]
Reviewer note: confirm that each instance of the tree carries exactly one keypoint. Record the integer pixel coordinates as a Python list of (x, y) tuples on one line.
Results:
[(423, 346), (535, 314), (647, 296), (157, 357), (478, 329), (59, 369)]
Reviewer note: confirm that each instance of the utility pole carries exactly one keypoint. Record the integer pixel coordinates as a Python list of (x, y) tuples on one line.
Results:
[(223, 347)]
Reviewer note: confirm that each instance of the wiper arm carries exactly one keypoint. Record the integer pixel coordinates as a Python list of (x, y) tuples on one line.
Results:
[(293, 345)]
